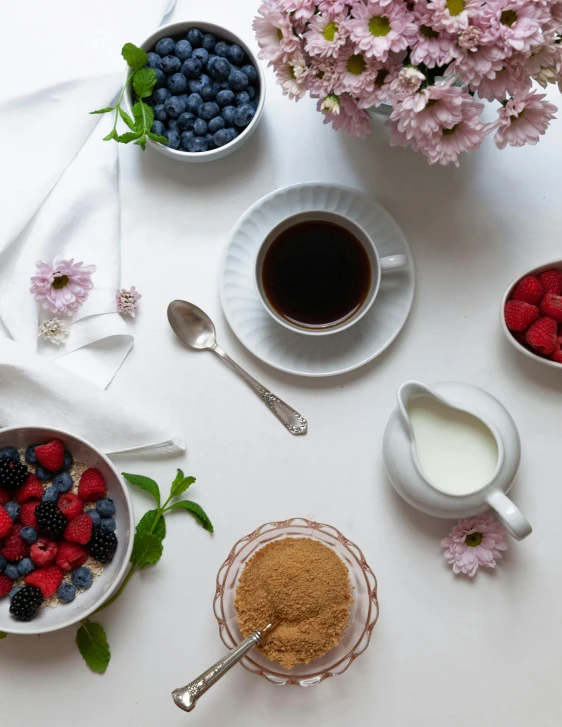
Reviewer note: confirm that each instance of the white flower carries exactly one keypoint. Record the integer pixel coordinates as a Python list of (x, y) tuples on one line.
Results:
[(408, 81), (55, 331), (331, 104)]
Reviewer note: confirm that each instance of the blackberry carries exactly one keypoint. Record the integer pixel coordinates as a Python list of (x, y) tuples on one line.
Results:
[(25, 602), (102, 545), (50, 520), (12, 474)]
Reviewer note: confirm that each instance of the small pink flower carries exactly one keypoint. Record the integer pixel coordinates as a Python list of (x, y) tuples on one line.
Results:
[(408, 81), (63, 286), (474, 542), (274, 34), (431, 47), (445, 145), (320, 78), (545, 63), (127, 301), (452, 15), (292, 77), (386, 74), (300, 9), (325, 35), (523, 119), (355, 72), (350, 118), (511, 79), (428, 111), (378, 29), (519, 23)]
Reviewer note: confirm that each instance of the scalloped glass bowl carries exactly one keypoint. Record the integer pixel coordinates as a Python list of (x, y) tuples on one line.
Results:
[(362, 619)]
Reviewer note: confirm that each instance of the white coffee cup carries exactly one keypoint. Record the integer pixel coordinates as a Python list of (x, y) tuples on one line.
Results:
[(378, 267)]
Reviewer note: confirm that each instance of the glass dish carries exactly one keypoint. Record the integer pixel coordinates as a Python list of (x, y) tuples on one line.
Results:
[(362, 619)]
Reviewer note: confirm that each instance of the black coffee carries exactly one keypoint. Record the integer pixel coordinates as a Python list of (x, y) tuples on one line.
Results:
[(316, 274)]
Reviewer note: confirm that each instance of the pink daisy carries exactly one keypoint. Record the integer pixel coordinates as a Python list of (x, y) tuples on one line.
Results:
[(382, 86), (300, 9), (292, 77), (378, 29), (445, 146), (428, 111), (355, 72), (545, 64), (452, 15), (274, 34), (63, 286), (408, 81), (523, 119), (325, 35), (351, 118), (126, 301), (474, 60), (510, 80), (431, 47), (320, 78), (519, 23), (474, 542)]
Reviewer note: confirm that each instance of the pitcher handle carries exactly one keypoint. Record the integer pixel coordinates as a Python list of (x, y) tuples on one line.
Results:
[(510, 515)]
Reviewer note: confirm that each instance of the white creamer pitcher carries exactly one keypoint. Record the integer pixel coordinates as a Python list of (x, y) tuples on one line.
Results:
[(446, 494)]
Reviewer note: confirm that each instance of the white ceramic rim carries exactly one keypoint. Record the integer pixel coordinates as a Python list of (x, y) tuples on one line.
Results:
[(533, 356), (181, 27), (122, 571), (359, 233)]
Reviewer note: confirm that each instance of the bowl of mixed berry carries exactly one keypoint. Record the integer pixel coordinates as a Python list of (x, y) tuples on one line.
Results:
[(65, 529), (531, 313), (209, 92)]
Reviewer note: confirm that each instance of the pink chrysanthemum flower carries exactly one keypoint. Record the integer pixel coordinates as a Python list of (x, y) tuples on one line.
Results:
[(474, 542), (445, 146), (355, 72), (63, 286), (523, 119), (292, 77), (511, 79), (382, 88), (334, 6), (428, 111), (127, 300), (320, 78), (325, 35), (274, 34), (350, 118), (473, 60), (431, 47), (378, 29), (452, 15), (300, 9), (408, 81), (545, 64), (519, 23)]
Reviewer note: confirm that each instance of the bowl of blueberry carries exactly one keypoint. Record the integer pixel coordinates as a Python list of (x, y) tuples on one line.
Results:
[(209, 92), (66, 529)]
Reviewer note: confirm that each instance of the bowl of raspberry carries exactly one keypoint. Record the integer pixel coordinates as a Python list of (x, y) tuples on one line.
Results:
[(209, 93), (66, 529), (531, 314)]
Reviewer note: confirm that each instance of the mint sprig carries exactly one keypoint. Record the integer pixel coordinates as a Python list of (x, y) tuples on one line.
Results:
[(143, 81)]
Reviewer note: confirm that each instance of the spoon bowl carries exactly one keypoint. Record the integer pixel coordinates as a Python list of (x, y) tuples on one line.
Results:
[(191, 325)]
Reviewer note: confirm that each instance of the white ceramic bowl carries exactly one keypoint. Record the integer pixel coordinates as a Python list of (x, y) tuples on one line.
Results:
[(514, 342), (53, 619), (180, 29)]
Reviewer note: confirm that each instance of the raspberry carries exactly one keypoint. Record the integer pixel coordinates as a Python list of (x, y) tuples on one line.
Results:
[(51, 455), (12, 473), (551, 306), (556, 355), (92, 486), (25, 602), (551, 281), (71, 556), (50, 520), (6, 523), (32, 489), (103, 546), (542, 335), (14, 548), (27, 514), (6, 585), (79, 530), (43, 552), (70, 504), (519, 315), (529, 290), (4, 497), (47, 579)]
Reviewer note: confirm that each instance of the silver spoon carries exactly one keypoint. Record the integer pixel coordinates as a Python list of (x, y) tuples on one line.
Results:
[(194, 327)]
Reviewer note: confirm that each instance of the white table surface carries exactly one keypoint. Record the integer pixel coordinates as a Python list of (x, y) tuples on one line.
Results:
[(446, 650)]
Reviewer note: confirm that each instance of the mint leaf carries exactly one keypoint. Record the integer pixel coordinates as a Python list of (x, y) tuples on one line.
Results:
[(142, 142), (146, 522), (144, 81), (103, 111), (92, 644), (145, 483), (134, 57), (128, 137), (157, 137), (181, 485), (3, 635), (147, 550), (196, 510), (112, 135), (126, 118), (144, 116)]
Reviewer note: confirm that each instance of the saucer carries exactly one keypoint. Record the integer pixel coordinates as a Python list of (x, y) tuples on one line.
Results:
[(290, 351)]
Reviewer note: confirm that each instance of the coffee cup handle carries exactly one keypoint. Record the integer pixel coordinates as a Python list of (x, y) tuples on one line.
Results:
[(391, 262), (510, 515)]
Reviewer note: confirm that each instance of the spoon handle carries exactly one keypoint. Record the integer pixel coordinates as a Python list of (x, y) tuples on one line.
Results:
[(291, 419)]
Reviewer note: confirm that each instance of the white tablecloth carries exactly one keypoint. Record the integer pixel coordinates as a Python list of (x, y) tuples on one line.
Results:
[(446, 650)]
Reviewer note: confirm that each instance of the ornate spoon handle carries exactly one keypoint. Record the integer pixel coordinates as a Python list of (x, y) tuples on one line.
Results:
[(291, 419)]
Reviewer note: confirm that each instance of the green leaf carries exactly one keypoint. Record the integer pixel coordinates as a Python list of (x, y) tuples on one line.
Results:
[(103, 111), (147, 550), (143, 122), (142, 142), (145, 483), (181, 484), (112, 135), (146, 522), (144, 81), (157, 137), (134, 57), (126, 118), (196, 510), (92, 643), (128, 136), (3, 635)]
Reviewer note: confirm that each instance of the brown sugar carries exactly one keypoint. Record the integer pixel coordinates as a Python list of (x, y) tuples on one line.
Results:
[(304, 585)]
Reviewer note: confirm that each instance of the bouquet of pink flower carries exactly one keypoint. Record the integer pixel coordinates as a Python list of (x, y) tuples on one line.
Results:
[(429, 59)]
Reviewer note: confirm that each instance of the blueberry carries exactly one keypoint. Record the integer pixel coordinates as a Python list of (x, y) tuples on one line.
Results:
[(165, 46), (235, 54), (209, 41), (105, 507), (254, 104), (30, 454), (159, 113), (13, 510), (197, 144), (3, 563), (220, 69), (193, 103), (149, 101), (200, 127), (225, 97), (171, 64), (82, 577), (177, 83), (183, 50), (237, 80), (210, 139), (185, 137), (195, 37), (11, 570), (25, 566), (241, 97), (28, 535), (223, 137), (208, 110), (228, 114), (158, 128), (42, 474), (221, 48), (173, 138), (244, 114), (174, 107), (196, 86), (95, 516), (160, 78), (208, 93), (185, 121), (202, 55), (10, 453), (14, 590), (108, 524), (154, 60), (66, 592), (68, 460), (63, 482), (51, 494), (160, 95), (216, 124), (251, 91), (251, 73), (192, 68)]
